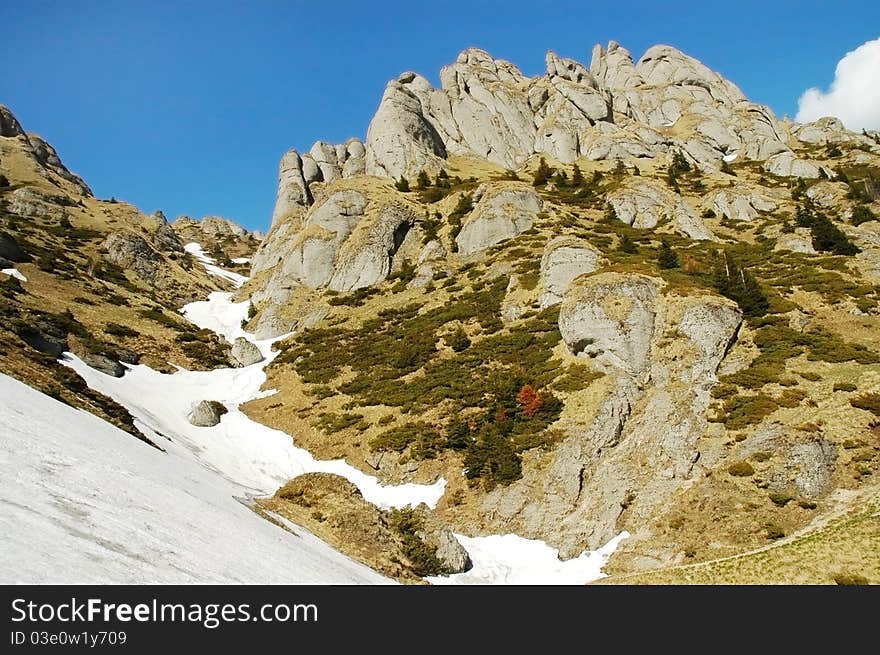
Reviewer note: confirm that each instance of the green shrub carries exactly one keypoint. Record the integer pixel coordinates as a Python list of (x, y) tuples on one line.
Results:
[(459, 340), (862, 214), (870, 402), (118, 330), (741, 469), (827, 237), (780, 498)]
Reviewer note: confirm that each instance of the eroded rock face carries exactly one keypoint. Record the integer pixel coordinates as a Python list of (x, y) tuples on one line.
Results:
[(644, 203), (640, 448), (501, 214), (131, 252), (739, 205), (609, 317), (564, 260)]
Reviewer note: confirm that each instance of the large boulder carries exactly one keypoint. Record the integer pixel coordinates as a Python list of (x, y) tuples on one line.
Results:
[(207, 413), (786, 164), (564, 259), (501, 213), (244, 353)]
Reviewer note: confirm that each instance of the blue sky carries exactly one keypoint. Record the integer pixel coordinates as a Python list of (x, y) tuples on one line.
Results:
[(188, 106)]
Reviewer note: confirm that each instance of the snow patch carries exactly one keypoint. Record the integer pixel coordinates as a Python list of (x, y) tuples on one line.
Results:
[(14, 272), (511, 559), (210, 265), (258, 458), (85, 503), (240, 260), (730, 157)]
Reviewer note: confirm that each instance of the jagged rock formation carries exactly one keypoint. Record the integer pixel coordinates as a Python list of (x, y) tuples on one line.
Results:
[(738, 204), (616, 109), (132, 252)]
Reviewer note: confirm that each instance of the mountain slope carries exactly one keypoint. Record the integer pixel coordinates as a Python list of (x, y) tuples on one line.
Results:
[(607, 298), (85, 503)]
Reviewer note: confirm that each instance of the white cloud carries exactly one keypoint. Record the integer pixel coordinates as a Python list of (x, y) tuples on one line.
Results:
[(854, 96)]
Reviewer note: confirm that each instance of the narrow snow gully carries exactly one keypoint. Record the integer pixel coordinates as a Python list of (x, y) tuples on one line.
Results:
[(258, 459)]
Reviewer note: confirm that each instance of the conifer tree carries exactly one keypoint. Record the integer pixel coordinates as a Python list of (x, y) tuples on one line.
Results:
[(667, 258)]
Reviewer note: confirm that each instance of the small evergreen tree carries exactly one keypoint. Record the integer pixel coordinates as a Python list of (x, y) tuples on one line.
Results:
[(423, 181), (627, 245), (459, 340), (464, 206), (542, 173), (667, 258), (862, 214), (619, 169), (680, 163), (577, 178), (402, 184), (430, 227), (736, 283), (442, 180), (560, 179), (611, 213)]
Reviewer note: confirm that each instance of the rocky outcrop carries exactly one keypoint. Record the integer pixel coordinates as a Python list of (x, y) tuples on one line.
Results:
[(786, 164), (207, 413), (645, 203), (738, 204), (800, 240), (323, 163), (9, 125), (609, 317), (565, 259), (10, 250), (244, 353), (640, 446), (501, 213), (131, 252)]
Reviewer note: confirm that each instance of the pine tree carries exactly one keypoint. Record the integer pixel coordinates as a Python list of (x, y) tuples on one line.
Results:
[(577, 178), (402, 184), (680, 162), (611, 213), (667, 257), (423, 181), (619, 169), (736, 283), (542, 173), (627, 245)]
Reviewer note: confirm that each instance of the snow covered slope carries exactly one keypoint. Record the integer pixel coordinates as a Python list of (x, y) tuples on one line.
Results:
[(84, 502)]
